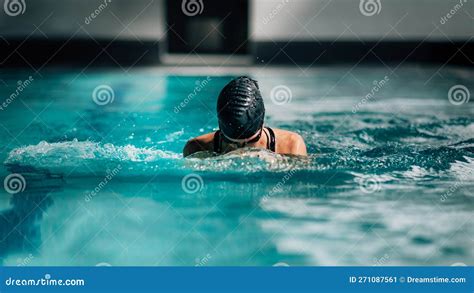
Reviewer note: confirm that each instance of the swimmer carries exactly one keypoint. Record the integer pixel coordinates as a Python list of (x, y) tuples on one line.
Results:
[(241, 112)]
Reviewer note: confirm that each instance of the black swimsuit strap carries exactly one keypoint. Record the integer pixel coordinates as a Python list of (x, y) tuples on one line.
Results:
[(271, 143)]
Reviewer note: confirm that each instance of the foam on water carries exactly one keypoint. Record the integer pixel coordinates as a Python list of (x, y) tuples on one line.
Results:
[(87, 158), (83, 157)]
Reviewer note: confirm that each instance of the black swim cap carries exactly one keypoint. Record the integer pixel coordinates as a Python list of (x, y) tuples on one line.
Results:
[(240, 108)]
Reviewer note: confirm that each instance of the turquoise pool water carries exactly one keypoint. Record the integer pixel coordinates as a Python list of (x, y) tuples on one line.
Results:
[(101, 179)]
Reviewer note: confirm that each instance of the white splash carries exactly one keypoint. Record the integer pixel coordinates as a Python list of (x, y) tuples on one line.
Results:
[(74, 153)]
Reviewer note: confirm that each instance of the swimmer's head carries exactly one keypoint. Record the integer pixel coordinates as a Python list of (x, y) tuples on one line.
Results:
[(240, 109)]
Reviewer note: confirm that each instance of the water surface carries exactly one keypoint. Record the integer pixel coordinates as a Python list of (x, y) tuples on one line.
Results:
[(389, 179)]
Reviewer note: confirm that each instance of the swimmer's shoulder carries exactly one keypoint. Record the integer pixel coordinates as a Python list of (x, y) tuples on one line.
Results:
[(289, 143), (203, 142)]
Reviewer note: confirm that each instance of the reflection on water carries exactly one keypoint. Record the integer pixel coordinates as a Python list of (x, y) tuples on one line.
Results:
[(20, 223)]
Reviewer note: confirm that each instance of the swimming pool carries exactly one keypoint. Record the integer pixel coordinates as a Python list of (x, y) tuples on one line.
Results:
[(389, 180)]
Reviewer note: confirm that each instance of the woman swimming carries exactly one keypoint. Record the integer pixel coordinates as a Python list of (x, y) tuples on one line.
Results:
[(241, 112)]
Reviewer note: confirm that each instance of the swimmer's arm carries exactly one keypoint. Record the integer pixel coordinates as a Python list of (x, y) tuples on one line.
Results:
[(198, 144), (298, 146), (192, 146)]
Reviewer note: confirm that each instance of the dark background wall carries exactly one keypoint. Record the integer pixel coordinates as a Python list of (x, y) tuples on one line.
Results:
[(306, 31)]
